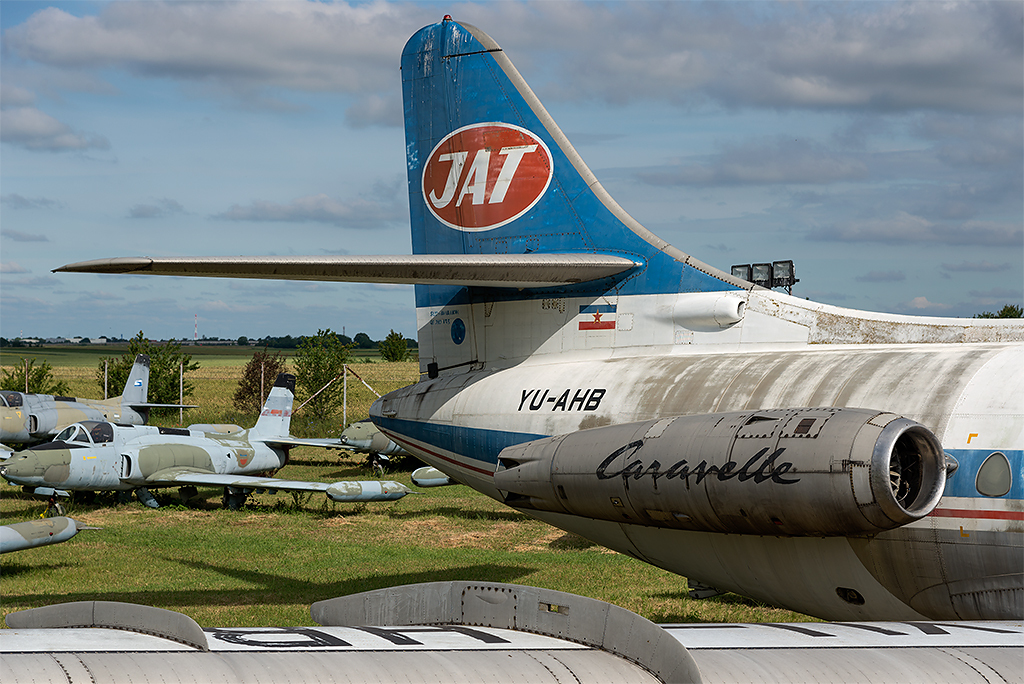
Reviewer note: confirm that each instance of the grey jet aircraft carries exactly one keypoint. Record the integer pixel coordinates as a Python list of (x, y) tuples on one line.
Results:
[(97, 455), (35, 418)]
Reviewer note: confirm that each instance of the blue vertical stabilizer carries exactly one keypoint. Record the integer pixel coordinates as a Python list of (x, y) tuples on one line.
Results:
[(491, 173)]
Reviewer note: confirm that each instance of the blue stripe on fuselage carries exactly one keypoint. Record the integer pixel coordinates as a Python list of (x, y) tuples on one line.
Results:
[(963, 481), (477, 444)]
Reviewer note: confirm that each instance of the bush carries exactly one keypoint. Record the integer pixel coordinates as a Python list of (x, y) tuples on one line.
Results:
[(319, 362), (394, 347), (257, 379), (164, 362), (40, 379)]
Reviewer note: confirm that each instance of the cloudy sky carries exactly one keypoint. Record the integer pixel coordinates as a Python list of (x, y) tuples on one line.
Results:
[(878, 145)]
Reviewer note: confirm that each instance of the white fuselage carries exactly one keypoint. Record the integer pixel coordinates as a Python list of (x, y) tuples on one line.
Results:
[(962, 561)]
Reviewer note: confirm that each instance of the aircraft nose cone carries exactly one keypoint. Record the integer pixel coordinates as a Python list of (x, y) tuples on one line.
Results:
[(21, 469)]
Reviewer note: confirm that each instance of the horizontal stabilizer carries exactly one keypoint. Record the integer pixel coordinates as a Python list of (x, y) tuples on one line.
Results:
[(297, 442), (153, 406), (480, 270)]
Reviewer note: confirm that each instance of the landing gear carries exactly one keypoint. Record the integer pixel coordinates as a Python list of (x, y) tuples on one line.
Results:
[(378, 463), (699, 590), (146, 498), (53, 508), (234, 498), (187, 492)]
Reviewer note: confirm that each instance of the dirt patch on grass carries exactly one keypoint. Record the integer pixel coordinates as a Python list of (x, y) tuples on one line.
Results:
[(335, 522), (442, 533)]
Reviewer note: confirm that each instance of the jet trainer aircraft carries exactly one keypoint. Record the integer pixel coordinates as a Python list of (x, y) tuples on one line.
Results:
[(846, 464), (99, 456), (33, 418)]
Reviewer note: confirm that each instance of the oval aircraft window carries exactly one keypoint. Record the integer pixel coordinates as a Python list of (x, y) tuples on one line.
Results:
[(994, 475)]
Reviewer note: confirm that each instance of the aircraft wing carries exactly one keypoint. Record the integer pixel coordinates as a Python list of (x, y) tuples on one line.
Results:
[(345, 491), (152, 406), (296, 441), (480, 270)]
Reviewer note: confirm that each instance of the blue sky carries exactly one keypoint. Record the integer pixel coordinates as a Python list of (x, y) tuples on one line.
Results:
[(878, 145)]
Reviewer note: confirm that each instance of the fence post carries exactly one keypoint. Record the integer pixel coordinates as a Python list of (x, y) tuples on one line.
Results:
[(26, 375), (181, 393), (344, 396), (106, 369)]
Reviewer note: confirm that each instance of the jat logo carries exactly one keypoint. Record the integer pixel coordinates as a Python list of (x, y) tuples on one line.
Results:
[(483, 176)]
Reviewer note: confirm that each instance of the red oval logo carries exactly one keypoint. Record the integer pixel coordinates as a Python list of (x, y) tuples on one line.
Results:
[(483, 176)]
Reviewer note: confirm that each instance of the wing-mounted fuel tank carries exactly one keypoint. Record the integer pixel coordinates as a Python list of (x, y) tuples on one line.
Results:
[(799, 472)]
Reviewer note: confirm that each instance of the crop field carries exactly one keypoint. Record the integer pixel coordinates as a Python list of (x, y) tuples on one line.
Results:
[(265, 564)]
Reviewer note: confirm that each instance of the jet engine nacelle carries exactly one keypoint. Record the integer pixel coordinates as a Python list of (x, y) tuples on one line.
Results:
[(801, 472), (43, 421)]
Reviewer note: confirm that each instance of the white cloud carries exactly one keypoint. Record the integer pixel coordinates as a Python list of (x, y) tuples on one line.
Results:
[(359, 213), (922, 304), (295, 45), (963, 57), (18, 236), (14, 96), (976, 267), (904, 228), (882, 277), (34, 130), (16, 201), (159, 209), (776, 162), (12, 267)]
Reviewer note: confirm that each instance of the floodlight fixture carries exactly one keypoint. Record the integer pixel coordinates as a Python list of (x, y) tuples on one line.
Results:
[(741, 271), (761, 274)]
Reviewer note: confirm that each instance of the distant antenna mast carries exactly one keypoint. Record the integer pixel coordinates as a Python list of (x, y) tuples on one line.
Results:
[(195, 335)]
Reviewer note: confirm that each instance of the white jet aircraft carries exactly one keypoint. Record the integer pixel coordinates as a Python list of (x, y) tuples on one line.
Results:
[(841, 463)]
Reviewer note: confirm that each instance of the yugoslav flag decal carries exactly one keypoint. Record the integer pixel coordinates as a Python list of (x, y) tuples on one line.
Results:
[(597, 317), (483, 176)]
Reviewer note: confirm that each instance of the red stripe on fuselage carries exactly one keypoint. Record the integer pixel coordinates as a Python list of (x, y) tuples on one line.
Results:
[(967, 513)]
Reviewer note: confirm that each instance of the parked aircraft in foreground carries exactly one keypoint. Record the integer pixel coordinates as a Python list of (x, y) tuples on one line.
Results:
[(34, 418), (487, 632), (845, 464), (99, 456)]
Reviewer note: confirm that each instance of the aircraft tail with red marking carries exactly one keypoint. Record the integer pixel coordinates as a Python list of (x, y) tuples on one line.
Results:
[(490, 173)]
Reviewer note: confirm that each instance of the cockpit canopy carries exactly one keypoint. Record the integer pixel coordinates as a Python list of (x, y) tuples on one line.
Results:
[(12, 399), (87, 432)]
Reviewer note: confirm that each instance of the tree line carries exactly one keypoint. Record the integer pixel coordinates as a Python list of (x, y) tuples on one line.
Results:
[(317, 364)]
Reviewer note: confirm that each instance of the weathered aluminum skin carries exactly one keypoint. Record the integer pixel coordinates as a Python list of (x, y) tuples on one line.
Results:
[(812, 472), (486, 632), (948, 566)]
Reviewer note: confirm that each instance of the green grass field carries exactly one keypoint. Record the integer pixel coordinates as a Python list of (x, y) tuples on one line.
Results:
[(265, 565)]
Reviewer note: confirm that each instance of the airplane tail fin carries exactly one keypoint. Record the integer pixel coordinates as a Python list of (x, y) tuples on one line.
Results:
[(136, 389), (491, 173), (276, 417)]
